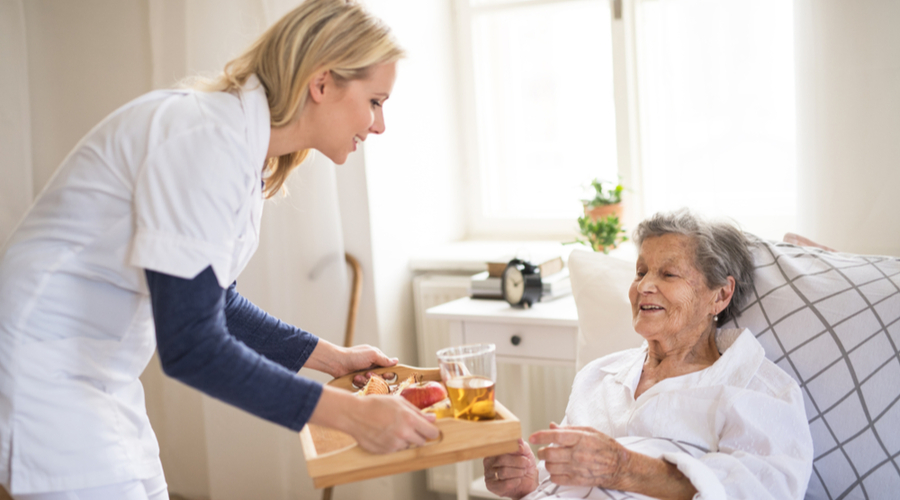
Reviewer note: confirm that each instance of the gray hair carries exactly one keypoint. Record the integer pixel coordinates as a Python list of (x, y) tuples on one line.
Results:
[(720, 250)]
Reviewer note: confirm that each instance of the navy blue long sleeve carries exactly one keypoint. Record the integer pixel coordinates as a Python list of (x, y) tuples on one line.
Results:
[(282, 343), (256, 373)]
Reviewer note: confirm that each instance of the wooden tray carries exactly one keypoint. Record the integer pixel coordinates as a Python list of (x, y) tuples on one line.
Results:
[(333, 457)]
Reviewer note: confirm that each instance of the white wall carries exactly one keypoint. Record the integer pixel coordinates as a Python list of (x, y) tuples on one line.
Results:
[(85, 59), (16, 190), (848, 121)]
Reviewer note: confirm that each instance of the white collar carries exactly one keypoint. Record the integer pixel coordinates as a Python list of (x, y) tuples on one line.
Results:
[(259, 128), (741, 356)]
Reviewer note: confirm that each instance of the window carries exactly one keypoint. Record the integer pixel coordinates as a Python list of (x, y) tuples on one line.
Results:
[(704, 116), (544, 112)]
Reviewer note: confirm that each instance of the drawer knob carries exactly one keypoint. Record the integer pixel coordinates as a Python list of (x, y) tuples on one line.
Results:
[(516, 340)]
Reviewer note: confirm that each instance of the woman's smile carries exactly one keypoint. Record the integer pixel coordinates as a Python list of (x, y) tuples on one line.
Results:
[(669, 295), (650, 309)]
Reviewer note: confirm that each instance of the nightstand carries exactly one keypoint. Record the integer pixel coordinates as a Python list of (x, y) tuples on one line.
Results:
[(545, 334)]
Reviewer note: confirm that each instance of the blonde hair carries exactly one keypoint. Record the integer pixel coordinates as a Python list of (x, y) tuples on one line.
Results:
[(335, 35)]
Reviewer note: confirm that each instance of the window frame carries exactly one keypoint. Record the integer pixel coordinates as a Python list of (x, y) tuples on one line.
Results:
[(625, 102)]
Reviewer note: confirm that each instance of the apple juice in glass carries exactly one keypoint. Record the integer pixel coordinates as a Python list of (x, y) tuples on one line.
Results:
[(469, 372)]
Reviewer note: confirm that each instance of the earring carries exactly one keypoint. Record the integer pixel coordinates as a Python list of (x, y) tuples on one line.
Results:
[(716, 318)]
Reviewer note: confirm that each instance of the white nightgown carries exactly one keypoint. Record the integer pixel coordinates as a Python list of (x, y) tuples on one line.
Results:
[(736, 429)]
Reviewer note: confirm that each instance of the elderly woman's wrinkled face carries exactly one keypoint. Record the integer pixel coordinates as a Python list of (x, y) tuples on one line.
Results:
[(669, 296)]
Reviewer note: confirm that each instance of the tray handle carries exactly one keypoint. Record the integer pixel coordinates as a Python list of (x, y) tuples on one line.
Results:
[(402, 371)]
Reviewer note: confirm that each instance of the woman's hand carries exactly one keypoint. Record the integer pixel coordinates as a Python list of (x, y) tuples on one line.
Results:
[(391, 423), (584, 456), (360, 357), (512, 475), (338, 361), (380, 424), (581, 456)]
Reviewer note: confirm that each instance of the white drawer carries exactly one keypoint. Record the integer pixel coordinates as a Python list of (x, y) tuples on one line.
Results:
[(524, 341)]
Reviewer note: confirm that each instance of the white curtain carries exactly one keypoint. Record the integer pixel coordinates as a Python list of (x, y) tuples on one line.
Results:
[(210, 449), (15, 118)]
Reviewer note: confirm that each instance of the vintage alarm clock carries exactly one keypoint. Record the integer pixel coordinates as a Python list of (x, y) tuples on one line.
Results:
[(521, 283)]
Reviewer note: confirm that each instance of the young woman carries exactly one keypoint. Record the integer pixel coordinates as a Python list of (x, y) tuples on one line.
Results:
[(136, 242)]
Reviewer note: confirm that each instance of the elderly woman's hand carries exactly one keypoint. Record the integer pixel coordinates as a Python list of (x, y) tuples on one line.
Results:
[(582, 456), (512, 475)]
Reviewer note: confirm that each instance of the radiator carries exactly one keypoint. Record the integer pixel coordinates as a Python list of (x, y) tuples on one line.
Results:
[(431, 290)]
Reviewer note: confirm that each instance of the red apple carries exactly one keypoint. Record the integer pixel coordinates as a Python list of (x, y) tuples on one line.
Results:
[(424, 394)]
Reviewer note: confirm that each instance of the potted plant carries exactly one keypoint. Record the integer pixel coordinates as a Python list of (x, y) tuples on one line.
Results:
[(602, 234), (607, 200), (600, 225)]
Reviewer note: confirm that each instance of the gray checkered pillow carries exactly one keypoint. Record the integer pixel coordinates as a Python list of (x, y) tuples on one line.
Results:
[(832, 321)]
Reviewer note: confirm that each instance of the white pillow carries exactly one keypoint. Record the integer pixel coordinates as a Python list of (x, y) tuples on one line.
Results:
[(600, 286), (832, 321)]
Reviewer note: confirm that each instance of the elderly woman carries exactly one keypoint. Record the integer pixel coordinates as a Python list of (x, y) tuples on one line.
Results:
[(696, 412)]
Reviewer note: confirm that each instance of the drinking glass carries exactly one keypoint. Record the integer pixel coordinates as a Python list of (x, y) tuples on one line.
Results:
[(469, 372)]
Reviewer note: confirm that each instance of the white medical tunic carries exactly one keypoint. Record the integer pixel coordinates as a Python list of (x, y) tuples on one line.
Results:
[(169, 182), (736, 429)]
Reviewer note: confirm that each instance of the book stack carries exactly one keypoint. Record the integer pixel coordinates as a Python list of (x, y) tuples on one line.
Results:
[(554, 278), (548, 266)]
